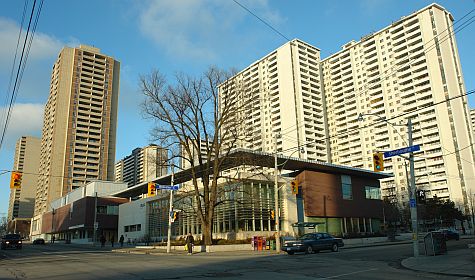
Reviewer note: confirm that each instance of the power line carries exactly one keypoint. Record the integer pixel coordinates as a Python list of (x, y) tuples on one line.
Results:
[(4, 112), (22, 64), (263, 21), (382, 121), (383, 76)]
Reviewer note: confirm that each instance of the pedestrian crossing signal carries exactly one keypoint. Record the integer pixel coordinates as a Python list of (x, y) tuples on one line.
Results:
[(421, 196), (15, 182)]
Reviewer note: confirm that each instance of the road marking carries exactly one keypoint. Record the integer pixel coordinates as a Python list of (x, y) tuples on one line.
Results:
[(346, 274)]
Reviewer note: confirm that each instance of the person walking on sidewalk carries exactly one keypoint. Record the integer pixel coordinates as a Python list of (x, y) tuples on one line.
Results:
[(189, 243), (121, 241), (112, 240)]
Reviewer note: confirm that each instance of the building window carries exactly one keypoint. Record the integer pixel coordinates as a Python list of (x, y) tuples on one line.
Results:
[(108, 210), (346, 188), (372, 192), (132, 228)]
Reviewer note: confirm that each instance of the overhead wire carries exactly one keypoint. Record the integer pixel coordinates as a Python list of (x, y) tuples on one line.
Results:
[(21, 65), (7, 95), (440, 39)]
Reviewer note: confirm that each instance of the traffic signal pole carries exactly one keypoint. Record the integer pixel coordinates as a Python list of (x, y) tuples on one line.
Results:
[(412, 185), (276, 199), (169, 245), (413, 206)]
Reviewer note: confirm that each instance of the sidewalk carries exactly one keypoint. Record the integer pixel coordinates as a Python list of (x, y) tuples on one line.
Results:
[(456, 263)]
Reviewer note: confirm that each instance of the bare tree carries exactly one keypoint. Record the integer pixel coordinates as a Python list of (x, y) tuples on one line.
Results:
[(192, 120)]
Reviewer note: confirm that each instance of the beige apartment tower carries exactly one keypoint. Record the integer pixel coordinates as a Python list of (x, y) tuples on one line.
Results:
[(406, 70), (27, 158), (142, 165), (281, 100), (403, 70), (79, 126)]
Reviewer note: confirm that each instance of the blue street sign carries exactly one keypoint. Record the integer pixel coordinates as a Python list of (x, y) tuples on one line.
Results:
[(163, 187), (412, 203), (402, 151)]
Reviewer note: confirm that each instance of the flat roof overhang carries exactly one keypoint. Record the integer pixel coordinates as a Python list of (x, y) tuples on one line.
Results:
[(240, 157)]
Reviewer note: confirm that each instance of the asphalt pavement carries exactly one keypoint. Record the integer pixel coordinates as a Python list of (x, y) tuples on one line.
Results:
[(458, 262)]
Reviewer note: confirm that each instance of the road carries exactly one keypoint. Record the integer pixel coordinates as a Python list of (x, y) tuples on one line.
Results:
[(60, 261)]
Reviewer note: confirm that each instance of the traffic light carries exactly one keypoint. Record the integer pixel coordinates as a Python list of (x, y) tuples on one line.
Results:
[(421, 196), (294, 184), (151, 189), (272, 214), (378, 162), (15, 182), (174, 216)]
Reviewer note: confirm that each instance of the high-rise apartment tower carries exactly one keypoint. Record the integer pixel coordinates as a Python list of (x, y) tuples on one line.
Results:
[(27, 158), (280, 96), (144, 164), (79, 126), (405, 70)]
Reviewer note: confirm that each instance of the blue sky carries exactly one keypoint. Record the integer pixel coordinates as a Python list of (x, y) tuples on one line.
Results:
[(183, 36)]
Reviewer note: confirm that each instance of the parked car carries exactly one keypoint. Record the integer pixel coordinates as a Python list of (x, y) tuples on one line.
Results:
[(39, 241), (11, 241), (313, 242), (450, 234)]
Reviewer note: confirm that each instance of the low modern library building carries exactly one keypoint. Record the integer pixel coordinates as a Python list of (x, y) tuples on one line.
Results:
[(343, 200)]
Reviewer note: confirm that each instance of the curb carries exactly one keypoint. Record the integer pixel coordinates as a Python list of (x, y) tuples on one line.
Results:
[(434, 272)]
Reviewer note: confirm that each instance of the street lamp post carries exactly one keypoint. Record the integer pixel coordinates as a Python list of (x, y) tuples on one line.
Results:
[(412, 185)]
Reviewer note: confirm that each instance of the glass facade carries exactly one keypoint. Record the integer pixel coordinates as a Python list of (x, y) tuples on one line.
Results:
[(244, 206)]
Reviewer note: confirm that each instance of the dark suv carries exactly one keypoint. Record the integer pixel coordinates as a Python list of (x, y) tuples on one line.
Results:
[(11, 241)]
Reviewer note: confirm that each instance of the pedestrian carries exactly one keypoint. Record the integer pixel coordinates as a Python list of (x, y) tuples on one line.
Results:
[(112, 240), (121, 241), (103, 240), (463, 230), (189, 243), (52, 239)]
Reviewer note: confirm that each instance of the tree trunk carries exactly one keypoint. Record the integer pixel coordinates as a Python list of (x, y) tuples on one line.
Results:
[(207, 231)]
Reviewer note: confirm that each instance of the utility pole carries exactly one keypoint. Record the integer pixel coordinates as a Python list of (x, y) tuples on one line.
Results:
[(412, 185), (169, 245), (276, 199), (94, 237), (413, 201)]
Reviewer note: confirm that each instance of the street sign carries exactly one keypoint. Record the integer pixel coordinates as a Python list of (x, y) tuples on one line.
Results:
[(169, 188), (412, 203), (402, 151)]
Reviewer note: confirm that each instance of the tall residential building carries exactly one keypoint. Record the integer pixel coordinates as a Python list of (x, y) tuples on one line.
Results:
[(79, 126), (403, 69), (196, 149), (399, 72), (27, 159), (281, 96), (472, 116), (144, 164)]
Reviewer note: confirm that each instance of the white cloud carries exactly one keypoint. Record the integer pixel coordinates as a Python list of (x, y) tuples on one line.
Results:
[(44, 46), (198, 29), (26, 120)]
